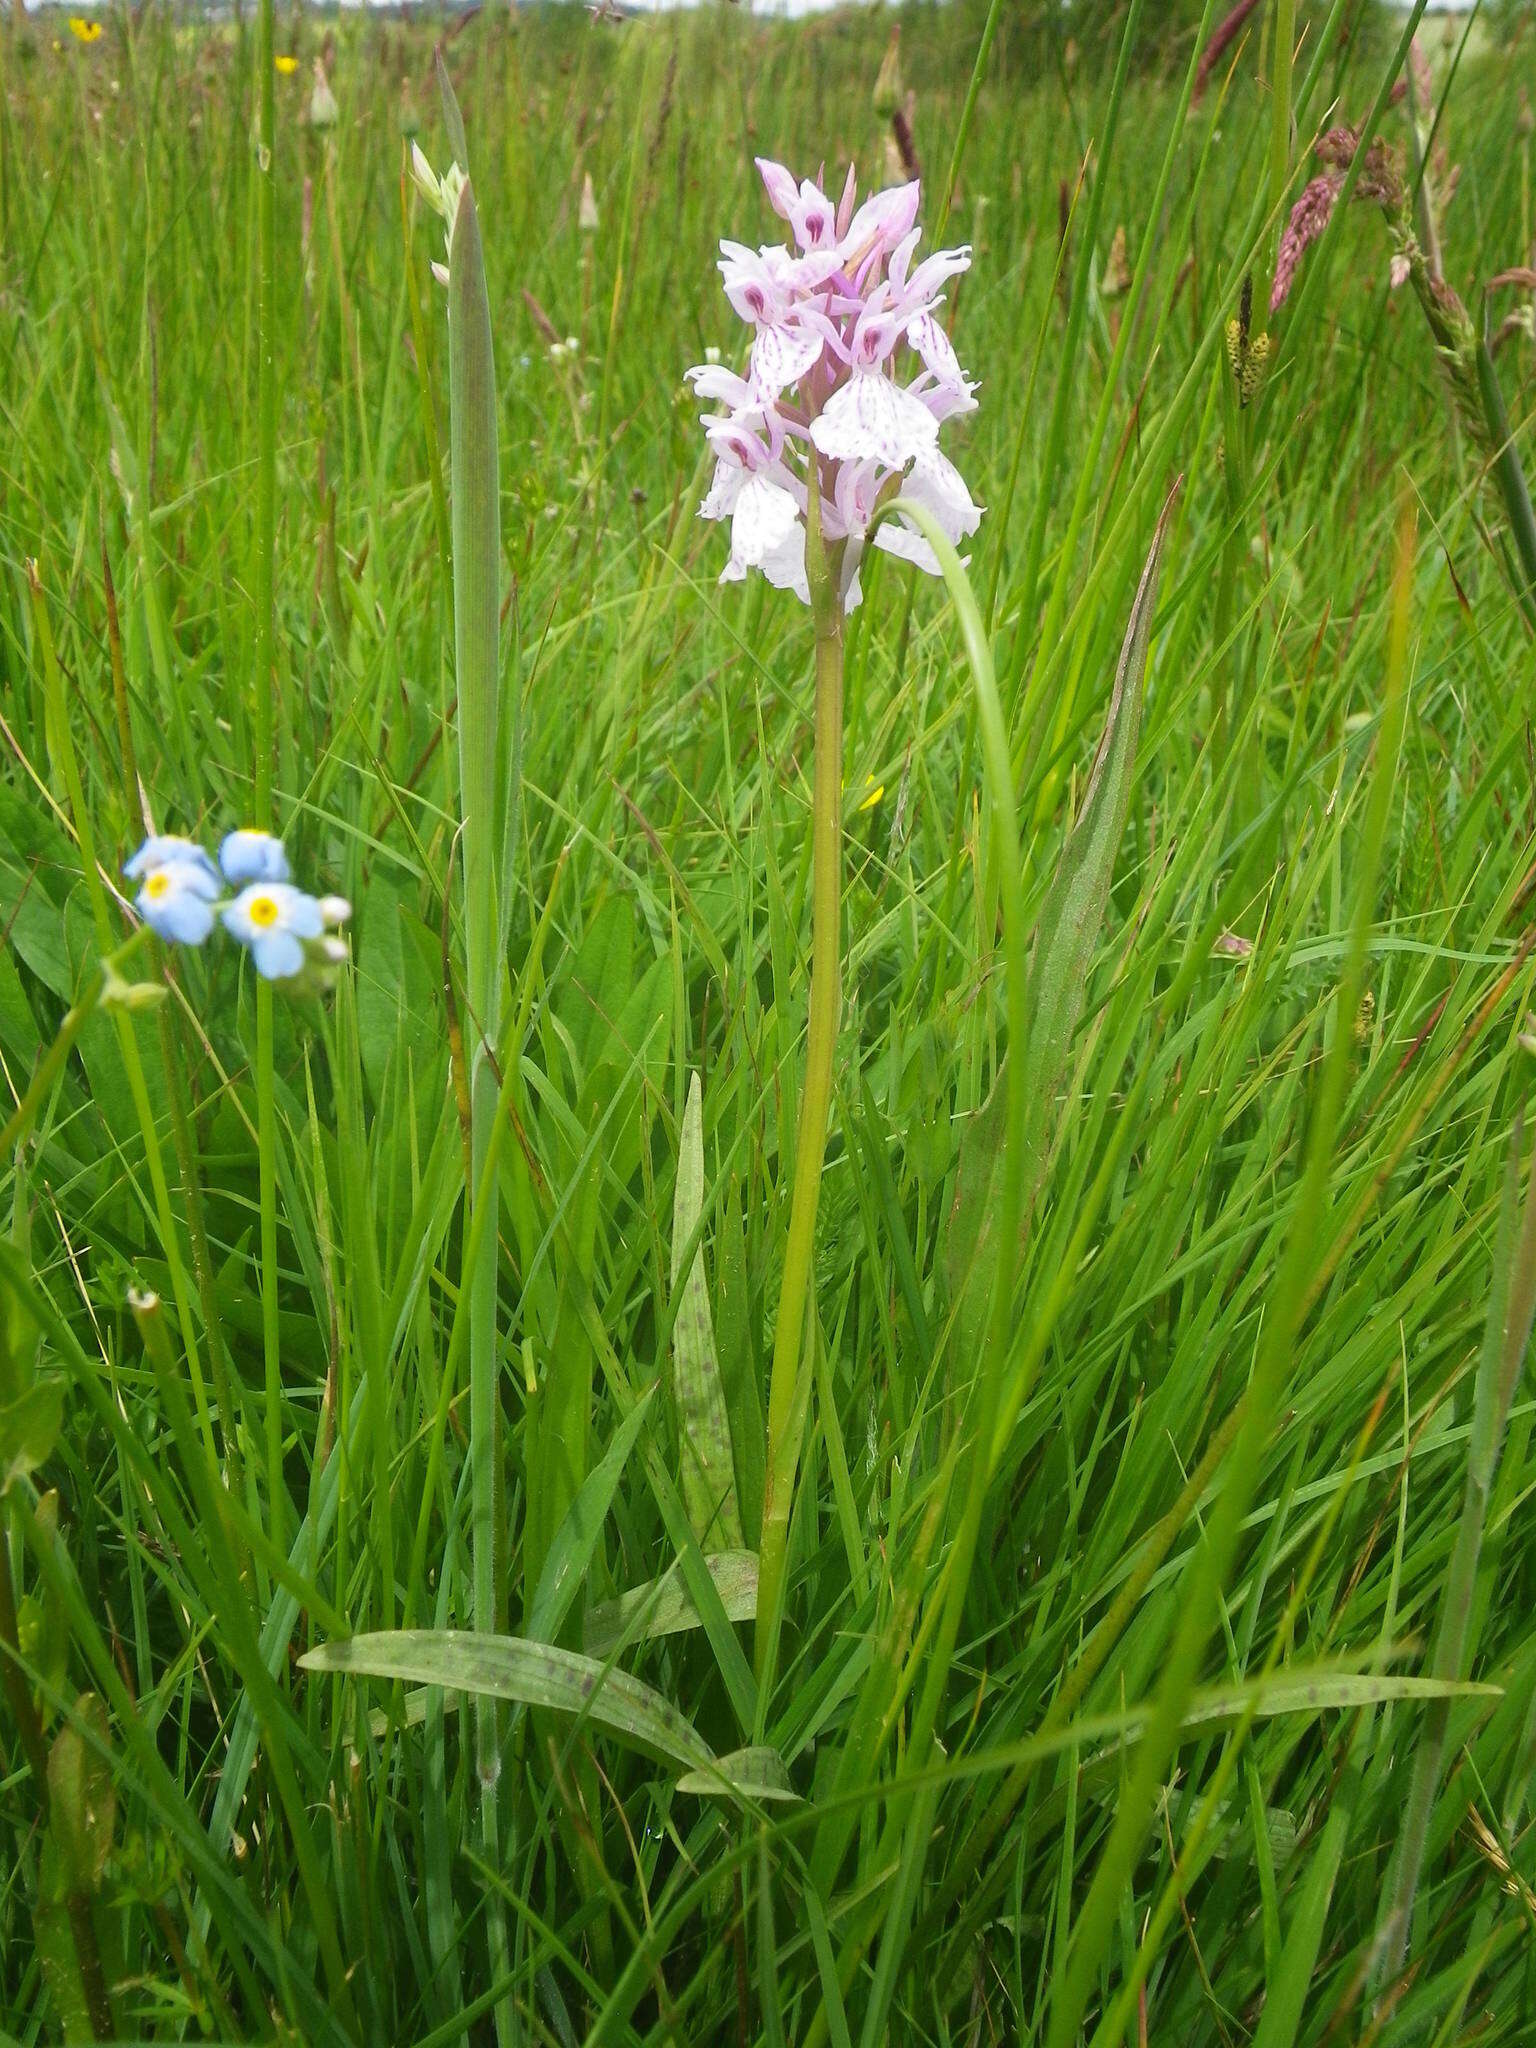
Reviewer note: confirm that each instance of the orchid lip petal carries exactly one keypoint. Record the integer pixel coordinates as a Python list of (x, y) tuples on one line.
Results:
[(872, 416), (763, 519), (782, 355)]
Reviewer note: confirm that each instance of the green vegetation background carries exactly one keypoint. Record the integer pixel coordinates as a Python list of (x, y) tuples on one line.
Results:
[(262, 1860)]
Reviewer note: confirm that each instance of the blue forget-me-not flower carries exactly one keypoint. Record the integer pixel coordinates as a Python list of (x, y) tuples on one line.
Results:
[(249, 856), (176, 900)]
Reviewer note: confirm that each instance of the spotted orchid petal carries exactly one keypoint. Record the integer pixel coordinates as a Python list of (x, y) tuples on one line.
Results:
[(783, 192), (805, 206), (896, 538), (930, 276), (720, 386), (945, 401), (882, 221), (925, 334), (784, 566), (872, 417), (755, 293), (814, 219), (934, 482), (875, 335), (762, 519), (782, 355), (730, 480)]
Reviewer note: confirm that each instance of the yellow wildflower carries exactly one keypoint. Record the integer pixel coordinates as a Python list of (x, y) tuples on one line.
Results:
[(82, 30), (286, 65), (873, 792)]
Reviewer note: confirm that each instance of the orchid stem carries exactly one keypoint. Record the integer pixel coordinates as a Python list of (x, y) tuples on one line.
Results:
[(789, 1383)]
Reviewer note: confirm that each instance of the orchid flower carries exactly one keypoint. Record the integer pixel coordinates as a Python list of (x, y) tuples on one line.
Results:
[(849, 378)]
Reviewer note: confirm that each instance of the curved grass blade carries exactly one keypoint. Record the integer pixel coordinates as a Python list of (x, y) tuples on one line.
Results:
[(663, 1607), (536, 1674), (1074, 1984), (755, 1773), (1507, 1332), (569, 1555), (1066, 936)]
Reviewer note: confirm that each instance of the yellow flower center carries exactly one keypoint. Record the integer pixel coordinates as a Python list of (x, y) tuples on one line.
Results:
[(158, 885), (287, 65), (262, 911)]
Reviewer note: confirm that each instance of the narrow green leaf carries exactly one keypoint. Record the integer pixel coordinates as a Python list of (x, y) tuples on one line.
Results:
[(476, 530), (1508, 471), (704, 1430), (740, 1367), (1066, 937), (1321, 1692), (1506, 1334), (1286, 1999), (453, 120), (871, 1132), (53, 1940), (569, 1555), (29, 1429)]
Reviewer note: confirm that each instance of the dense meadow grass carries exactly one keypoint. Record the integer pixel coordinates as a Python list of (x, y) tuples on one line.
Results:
[(1153, 1655)]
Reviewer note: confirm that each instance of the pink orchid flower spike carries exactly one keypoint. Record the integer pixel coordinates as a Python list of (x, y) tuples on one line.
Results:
[(850, 375)]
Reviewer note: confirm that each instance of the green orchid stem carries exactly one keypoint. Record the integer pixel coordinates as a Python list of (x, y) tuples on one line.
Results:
[(789, 1381)]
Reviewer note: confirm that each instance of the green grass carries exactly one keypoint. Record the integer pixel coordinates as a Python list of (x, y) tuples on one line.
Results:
[(1157, 1610)]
